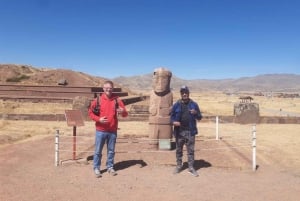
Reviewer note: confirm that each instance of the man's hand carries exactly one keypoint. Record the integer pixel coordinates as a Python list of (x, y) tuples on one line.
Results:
[(193, 111), (120, 110), (103, 120), (176, 123)]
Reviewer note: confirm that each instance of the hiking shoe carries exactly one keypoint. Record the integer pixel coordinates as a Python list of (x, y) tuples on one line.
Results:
[(97, 173), (193, 172), (177, 169), (112, 172)]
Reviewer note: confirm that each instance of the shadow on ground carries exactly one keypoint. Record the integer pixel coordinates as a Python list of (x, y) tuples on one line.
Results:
[(126, 164), (198, 164)]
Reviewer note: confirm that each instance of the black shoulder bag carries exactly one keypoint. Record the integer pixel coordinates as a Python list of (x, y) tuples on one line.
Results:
[(96, 109)]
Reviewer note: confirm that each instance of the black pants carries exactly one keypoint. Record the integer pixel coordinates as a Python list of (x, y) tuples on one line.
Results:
[(184, 138)]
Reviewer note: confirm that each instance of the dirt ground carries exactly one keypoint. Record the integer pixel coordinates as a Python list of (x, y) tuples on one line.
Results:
[(28, 171)]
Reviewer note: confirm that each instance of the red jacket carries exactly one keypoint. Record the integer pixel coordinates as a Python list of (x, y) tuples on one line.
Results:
[(107, 108)]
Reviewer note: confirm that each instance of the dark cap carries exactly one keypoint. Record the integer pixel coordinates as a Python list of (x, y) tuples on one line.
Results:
[(184, 89)]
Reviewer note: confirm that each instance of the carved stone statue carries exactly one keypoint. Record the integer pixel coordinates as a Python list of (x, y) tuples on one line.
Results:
[(161, 101)]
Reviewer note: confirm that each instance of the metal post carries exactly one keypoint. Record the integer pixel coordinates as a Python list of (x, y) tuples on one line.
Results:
[(217, 127), (254, 148), (74, 142), (57, 148)]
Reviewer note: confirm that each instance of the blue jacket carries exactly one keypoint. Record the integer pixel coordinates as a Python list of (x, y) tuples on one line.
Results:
[(176, 116)]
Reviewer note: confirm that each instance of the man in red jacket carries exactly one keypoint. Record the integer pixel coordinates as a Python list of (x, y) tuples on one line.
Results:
[(106, 123)]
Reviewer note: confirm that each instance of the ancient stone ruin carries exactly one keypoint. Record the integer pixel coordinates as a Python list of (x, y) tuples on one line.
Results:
[(62, 82), (246, 111), (82, 103), (246, 99)]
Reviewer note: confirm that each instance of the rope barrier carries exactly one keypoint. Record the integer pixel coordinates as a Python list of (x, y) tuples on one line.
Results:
[(238, 143), (222, 148), (66, 150), (78, 143), (80, 136)]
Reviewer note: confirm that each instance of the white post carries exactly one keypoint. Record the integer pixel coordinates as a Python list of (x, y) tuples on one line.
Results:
[(254, 148), (217, 127), (57, 148)]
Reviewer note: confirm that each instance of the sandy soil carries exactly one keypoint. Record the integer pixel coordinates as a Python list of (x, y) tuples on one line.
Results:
[(28, 171)]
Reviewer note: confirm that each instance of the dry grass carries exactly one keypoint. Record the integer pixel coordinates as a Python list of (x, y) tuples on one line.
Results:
[(210, 104), (14, 107), (222, 104)]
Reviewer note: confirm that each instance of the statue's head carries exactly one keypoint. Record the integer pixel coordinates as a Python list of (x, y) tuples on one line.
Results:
[(161, 80)]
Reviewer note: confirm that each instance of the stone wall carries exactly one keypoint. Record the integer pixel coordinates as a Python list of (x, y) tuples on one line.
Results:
[(246, 112)]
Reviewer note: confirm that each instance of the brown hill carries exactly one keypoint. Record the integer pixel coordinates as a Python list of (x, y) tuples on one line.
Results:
[(24, 74), (260, 83)]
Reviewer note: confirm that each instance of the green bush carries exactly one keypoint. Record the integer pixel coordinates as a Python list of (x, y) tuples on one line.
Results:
[(17, 79)]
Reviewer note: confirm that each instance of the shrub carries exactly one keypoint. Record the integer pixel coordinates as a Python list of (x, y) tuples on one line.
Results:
[(17, 79)]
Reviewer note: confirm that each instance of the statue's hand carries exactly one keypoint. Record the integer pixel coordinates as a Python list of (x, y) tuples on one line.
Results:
[(153, 110)]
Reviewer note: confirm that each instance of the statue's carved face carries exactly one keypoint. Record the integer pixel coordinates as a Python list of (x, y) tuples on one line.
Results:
[(161, 81)]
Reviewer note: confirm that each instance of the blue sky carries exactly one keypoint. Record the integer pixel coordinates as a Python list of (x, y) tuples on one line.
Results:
[(195, 39)]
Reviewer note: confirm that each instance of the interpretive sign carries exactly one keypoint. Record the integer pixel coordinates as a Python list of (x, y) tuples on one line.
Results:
[(74, 118)]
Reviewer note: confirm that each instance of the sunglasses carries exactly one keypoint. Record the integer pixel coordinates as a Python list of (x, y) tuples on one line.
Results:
[(107, 88), (184, 92)]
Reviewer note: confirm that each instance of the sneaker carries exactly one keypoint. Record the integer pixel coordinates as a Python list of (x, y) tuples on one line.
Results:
[(193, 172), (112, 172), (97, 173), (177, 169)]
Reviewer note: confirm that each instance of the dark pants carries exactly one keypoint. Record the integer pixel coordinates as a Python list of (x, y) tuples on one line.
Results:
[(184, 138)]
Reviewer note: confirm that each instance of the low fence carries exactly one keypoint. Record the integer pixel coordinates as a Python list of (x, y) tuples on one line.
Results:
[(85, 144), (144, 117), (233, 139)]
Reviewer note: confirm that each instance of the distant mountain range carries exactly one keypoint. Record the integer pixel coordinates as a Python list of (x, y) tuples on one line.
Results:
[(24, 74), (260, 83)]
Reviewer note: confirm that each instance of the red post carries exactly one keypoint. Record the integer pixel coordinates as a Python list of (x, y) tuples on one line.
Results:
[(74, 142)]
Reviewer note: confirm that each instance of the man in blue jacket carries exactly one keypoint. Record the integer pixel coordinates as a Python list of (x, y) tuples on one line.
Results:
[(184, 115)]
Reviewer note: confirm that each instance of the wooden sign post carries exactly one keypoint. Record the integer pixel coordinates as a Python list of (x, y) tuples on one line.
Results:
[(74, 118)]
